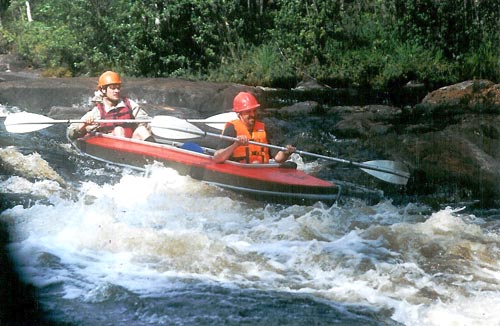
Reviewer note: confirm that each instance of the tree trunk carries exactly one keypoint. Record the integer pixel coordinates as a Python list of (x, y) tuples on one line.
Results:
[(28, 11)]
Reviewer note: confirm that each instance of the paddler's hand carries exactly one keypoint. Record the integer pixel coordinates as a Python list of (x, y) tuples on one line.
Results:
[(89, 121), (242, 140), (83, 126), (289, 150)]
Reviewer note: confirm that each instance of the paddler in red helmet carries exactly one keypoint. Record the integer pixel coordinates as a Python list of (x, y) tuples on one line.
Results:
[(246, 128), (110, 105)]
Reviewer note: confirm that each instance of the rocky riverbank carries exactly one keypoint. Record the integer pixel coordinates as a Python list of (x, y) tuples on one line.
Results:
[(450, 141)]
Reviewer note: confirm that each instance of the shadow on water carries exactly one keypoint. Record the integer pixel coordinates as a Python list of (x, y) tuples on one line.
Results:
[(18, 301), (204, 304)]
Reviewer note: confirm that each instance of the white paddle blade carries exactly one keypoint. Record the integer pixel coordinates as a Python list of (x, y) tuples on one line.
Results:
[(174, 128), (397, 172), (219, 121), (24, 122)]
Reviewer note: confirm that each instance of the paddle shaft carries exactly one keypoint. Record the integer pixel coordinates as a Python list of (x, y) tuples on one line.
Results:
[(402, 174), (47, 121)]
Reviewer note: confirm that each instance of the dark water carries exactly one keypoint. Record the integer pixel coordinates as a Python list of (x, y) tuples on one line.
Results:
[(97, 244)]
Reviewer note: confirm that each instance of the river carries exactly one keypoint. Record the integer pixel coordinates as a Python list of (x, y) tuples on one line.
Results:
[(106, 245)]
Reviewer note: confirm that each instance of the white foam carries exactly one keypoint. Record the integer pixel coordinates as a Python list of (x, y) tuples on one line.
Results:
[(146, 233)]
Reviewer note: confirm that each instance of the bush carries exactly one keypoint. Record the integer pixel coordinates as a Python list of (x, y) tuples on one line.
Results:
[(57, 72), (263, 65), (47, 47), (482, 63), (6, 40), (412, 62)]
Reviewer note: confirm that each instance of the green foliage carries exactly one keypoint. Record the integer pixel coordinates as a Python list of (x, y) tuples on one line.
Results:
[(482, 63), (305, 29), (412, 62), (262, 65), (6, 40), (47, 46), (455, 27), (372, 43)]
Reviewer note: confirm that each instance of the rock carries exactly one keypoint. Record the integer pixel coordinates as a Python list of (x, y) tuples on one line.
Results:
[(297, 109), (309, 84), (452, 142), (31, 167), (468, 93), (364, 122), (462, 160)]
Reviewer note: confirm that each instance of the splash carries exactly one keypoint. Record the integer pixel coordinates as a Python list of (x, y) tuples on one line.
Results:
[(4, 111)]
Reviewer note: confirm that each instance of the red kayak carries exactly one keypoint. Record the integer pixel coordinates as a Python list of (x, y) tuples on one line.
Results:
[(272, 182)]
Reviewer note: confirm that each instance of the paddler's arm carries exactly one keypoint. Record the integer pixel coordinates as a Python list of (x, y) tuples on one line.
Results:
[(226, 148), (225, 153), (76, 130)]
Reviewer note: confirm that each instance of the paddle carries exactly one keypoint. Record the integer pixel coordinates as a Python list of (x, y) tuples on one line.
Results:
[(25, 122), (175, 128)]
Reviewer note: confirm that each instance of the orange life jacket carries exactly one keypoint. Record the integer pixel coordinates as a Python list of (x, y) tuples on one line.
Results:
[(251, 153), (120, 113)]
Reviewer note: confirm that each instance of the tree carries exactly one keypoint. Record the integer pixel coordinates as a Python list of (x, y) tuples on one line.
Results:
[(4, 4)]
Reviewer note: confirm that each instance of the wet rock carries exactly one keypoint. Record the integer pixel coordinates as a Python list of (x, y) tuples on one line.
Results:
[(451, 141), (30, 166), (468, 93), (18, 301), (364, 122), (309, 84), (298, 109)]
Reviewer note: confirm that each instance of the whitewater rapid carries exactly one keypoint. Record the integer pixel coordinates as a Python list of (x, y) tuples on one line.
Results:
[(148, 233)]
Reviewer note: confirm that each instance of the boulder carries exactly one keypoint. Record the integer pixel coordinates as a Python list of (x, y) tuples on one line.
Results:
[(299, 109), (470, 94), (364, 122), (451, 142)]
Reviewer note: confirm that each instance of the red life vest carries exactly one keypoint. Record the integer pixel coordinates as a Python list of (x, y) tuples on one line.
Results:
[(119, 113), (251, 153)]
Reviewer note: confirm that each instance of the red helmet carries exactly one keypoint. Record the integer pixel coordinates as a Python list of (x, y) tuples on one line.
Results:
[(108, 78), (244, 101)]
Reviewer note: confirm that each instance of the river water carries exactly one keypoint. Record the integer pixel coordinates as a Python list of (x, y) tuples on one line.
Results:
[(106, 245)]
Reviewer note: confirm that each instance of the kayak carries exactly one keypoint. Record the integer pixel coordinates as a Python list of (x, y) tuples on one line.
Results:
[(273, 182)]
